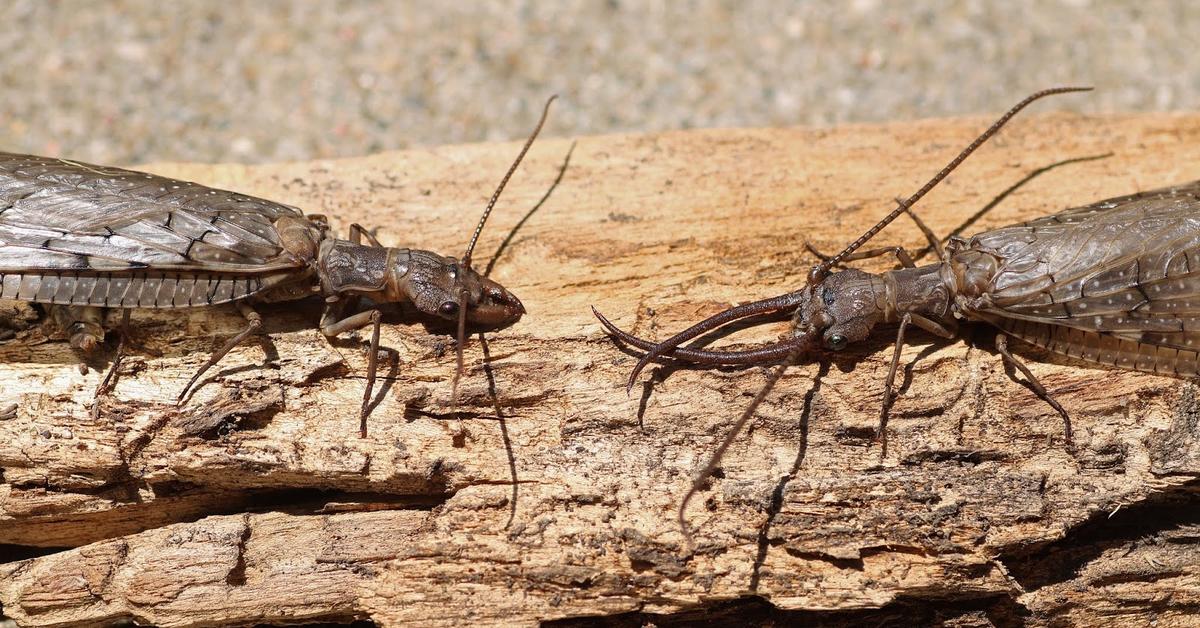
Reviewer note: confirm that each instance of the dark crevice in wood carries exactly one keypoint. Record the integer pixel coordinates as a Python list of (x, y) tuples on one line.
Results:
[(1039, 565), (330, 622), (320, 502), (12, 553), (756, 611), (299, 501)]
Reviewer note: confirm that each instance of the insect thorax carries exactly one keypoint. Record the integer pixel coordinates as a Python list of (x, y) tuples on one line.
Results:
[(346, 267), (972, 272), (920, 290)]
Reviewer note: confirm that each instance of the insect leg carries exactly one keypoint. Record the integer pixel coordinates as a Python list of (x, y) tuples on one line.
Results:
[(888, 381), (110, 376), (358, 232), (1002, 347), (888, 395), (255, 324), (332, 328), (901, 254), (935, 243), (82, 324)]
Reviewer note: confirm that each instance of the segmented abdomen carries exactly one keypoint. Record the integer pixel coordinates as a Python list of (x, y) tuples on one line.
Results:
[(1103, 348), (145, 289)]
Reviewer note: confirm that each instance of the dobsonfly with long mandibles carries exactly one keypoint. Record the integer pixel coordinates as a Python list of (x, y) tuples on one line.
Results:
[(1116, 283), (81, 238)]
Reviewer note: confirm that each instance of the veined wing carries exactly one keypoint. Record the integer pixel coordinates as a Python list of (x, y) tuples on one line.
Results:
[(1127, 266), (60, 215)]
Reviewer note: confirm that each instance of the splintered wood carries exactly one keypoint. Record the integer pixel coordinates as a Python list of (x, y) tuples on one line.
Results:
[(554, 498)]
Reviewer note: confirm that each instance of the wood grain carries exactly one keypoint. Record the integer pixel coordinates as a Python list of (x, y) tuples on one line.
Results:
[(257, 501)]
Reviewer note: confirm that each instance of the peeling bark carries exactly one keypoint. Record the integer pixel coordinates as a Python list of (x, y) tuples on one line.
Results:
[(554, 499)]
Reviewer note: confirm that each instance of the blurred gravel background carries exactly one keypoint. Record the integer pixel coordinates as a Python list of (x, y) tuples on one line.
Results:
[(145, 80)]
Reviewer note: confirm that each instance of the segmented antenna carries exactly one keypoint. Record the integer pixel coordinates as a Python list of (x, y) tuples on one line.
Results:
[(466, 260), (820, 272), (503, 182)]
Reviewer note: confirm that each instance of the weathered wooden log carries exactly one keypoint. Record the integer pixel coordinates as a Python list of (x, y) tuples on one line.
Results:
[(554, 496)]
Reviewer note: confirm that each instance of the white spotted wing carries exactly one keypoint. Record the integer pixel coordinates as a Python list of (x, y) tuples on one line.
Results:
[(95, 235), (1127, 269)]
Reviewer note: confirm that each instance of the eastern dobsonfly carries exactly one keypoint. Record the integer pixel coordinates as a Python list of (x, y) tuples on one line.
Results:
[(1116, 282), (81, 238)]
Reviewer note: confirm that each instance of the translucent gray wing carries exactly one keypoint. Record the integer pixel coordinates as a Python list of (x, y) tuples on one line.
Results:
[(1127, 266), (59, 215)]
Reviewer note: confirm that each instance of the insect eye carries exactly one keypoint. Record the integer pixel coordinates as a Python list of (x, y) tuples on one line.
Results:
[(836, 342), (449, 308)]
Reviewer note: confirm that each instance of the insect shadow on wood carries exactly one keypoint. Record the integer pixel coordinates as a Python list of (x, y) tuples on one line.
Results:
[(488, 371), (1116, 283), (82, 238)]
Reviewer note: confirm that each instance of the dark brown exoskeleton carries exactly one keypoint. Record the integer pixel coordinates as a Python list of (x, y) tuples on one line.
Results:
[(1115, 283), (82, 238)]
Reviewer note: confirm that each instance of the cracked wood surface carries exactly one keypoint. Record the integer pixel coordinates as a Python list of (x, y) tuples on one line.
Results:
[(258, 502)]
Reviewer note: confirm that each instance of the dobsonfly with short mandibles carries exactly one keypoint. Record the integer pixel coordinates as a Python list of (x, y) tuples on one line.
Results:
[(1115, 283), (81, 238)]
